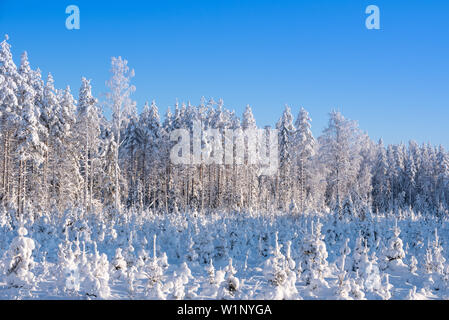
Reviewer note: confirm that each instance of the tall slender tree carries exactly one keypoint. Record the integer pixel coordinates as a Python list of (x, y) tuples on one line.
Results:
[(88, 134), (122, 107), (340, 156), (304, 144), (286, 132)]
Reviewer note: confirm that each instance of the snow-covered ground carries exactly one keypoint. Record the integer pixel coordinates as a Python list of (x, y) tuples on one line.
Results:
[(223, 256)]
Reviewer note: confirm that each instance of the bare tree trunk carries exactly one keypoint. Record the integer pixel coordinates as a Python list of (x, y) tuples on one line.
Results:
[(117, 173), (53, 179), (302, 186), (202, 186), (45, 179), (19, 188), (86, 173), (144, 176), (91, 184), (210, 186), (24, 182), (5, 186), (167, 186)]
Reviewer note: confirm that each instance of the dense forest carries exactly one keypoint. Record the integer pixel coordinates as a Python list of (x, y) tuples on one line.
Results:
[(59, 152)]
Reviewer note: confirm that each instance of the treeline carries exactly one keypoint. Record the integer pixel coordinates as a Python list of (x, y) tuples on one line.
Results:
[(59, 153)]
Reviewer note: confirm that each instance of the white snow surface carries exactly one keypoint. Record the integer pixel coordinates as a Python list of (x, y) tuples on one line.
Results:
[(141, 255)]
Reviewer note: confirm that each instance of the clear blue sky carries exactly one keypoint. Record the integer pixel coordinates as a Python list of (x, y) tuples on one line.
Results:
[(317, 54)]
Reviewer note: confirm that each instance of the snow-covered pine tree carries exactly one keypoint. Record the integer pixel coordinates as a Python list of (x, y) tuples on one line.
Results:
[(230, 287), (394, 252), (304, 147), (131, 145), (155, 276), (249, 179), (9, 118), (29, 150), (118, 266), (410, 172), (380, 183), (339, 154), (314, 259), (286, 131), (68, 158), (435, 265), (19, 262), (87, 128), (151, 162), (442, 171), (281, 278), (49, 112)]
